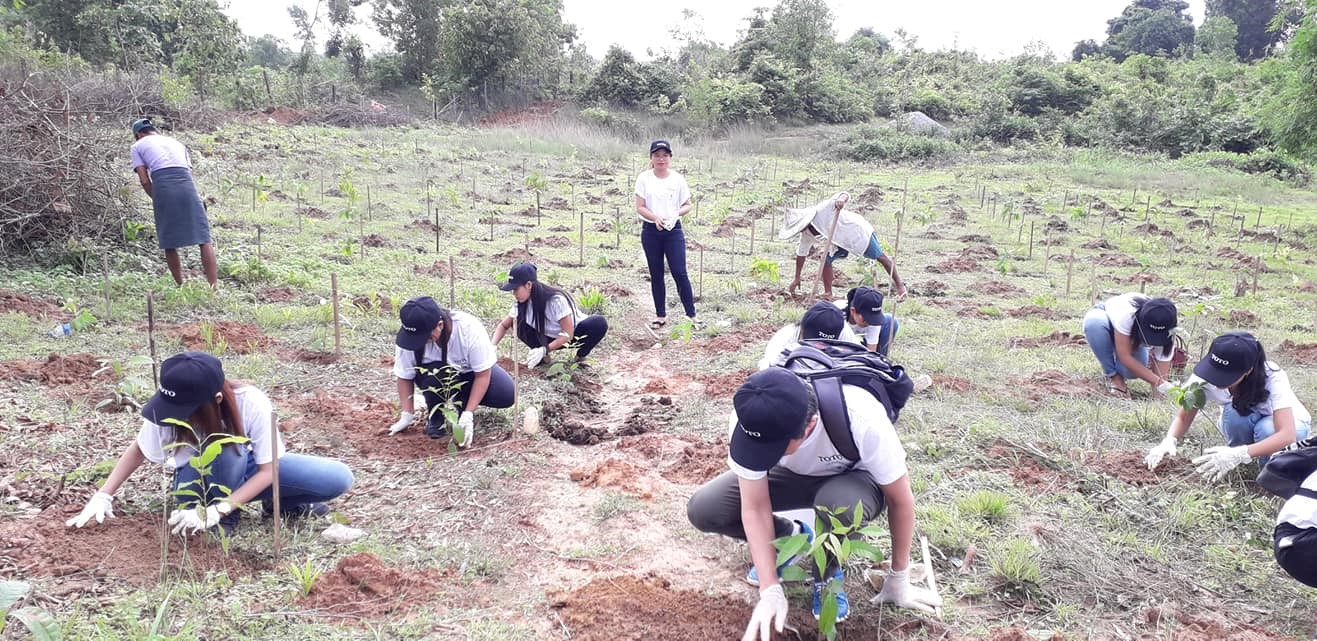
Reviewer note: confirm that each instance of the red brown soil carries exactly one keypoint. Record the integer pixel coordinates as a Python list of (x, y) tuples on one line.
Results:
[(552, 241), (1056, 338), (608, 289), (974, 238), (674, 384), (16, 303), (1054, 383), (242, 338), (329, 420), (439, 268), (1128, 466), (1142, 277), (628, 607), (375, 240), (57, 369), (653, 413), (979, 252), (121, 550), (1116, 260), (578, 433), (617, 474), (1301, 352), (1242, 318), (514, 256), (953, 265), (532, 114), (424, 224), (931, 288), (723, 385), (698, 463), (1023, 468), (1035, 311), (996, 287), (362, 586), (374, 303), (1308, 287), (1100, 243), (277, 294), (309, 356), (1208, 627), (655, 447), (724, 344), (1013, 634), (952, 383)]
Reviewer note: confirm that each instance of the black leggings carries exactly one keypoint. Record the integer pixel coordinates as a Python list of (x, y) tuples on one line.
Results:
[(585, 335), (1296, 552), (501, 394)]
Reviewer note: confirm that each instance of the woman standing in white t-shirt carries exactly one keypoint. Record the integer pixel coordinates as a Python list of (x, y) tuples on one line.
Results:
[(1260, 415), (662, 198), (546, 318), (195, 394), (448, 355)]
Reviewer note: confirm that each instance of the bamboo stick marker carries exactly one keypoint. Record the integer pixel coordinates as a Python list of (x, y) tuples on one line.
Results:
[(274, 484), (452, 282), (333, 292), (701, 273), (1069, 272), (105, 269), (1030, 257), (150, 338), (582, 242)]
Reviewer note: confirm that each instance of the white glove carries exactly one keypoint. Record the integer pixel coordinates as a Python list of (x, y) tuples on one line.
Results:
[(1160, 451), (536, 355), (898, 591), (467, 423), (100, 506), (402, 424), (190, 520), (1217, 461), (1164, 387), (771, 610)]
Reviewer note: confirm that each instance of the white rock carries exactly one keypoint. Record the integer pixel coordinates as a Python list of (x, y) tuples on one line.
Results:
[(339, 533), (531, 423)]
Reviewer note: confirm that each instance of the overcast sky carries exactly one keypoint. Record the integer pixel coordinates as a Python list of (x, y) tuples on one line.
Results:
[(993, 29)]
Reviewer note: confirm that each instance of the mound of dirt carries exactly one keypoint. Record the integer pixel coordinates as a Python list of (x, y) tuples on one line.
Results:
[(723, 385), (122, 550), (1054, 383), (439, 269), (979, 252), (726, 343), (1116, 259), (1035, 311), (320, 214), (1301, 352), (1128, 466), (954, 265), (698, 463), (281, 294), (577, 433), (514, 256), (1198, 224), (1139, 278), (975, 238), (628, 607), (362, 586), (674, 384), (551, 241), (1024, 468), (328, 420), (243, 338), (424, 225), (1013, 634), (996, 287), (16, 303), (952, 383), (374, 303), (1207, 627), (608, 289), (655, 447), (1098, 243), (57, 369), (930, 289), (653, 413), (375, 240), (618, 474), (1056, 338), (1243, 318)]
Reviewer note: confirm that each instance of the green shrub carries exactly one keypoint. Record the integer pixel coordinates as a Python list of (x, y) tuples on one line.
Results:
[(1265, 162), (719, 102), (933, 103), (869, 143), (830, 97)]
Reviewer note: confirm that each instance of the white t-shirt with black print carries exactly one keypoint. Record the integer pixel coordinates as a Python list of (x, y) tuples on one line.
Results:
[(663, 196), (257, 415), (469, 349)]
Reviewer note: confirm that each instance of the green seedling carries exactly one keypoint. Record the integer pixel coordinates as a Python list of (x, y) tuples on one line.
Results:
[(212, 341), (446, 390), (764, 269), (1016, 562), (305, 576), (1189, 397), (208, 448), (127, 388), (593, 301), (843, 541), (682, 330)]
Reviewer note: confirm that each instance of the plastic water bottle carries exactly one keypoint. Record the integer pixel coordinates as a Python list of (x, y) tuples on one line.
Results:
[(60, 331)]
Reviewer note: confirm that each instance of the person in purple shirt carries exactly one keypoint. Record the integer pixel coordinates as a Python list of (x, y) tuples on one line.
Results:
[(165, 172)]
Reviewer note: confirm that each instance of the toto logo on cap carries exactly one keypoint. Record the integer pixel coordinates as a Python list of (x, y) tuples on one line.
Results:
[(409, 329), (1222, 361), (826, 335), (169, 393), (748, 432)]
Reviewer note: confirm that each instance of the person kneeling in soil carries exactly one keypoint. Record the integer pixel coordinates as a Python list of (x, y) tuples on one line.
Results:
[(1120, 331), (546, 318), (853, 234), (822, 320), (1260, 415), (782, 459), (448, 354), (864, 310), (195, 407)]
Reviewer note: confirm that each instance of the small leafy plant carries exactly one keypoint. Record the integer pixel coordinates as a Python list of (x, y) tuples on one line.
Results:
[(305, 576), (592, 301), (1189, 397), (128, 388), (843, 541), (764, 269), (198, 490), (682, 330), (446, 390)]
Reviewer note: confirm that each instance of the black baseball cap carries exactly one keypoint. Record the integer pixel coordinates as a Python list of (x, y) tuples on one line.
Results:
[(660, 145), (419, 317), (868, 302), (772, 407), (822, 320), (1156, 318), (519, 275), (1230, 357), (187, 381)]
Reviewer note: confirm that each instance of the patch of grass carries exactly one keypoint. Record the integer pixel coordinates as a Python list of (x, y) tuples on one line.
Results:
[(990, 506), (613, 504), (1016, 562)]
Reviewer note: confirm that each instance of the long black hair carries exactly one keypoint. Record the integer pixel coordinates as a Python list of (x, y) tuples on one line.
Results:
[(447, 319), (1136, 336), (1252, 391), (538, 302)]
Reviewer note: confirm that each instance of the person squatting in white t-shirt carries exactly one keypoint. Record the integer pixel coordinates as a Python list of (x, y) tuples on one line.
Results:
[(822, 320), (1122, 330), (546, 318), (782, 459), (196, 406), (448, 355), (1260, 415), (853, 235)]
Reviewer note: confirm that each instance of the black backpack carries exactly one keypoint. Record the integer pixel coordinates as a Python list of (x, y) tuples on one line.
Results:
[(1285, 473), (828, 364)]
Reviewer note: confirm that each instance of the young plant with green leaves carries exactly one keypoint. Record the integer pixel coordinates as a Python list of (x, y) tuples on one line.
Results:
[(764, 269), (305, 576), (447, 388), (839, 543), (592, 301), (1189, 396), (40, 625), (208, 448), (128, 388)]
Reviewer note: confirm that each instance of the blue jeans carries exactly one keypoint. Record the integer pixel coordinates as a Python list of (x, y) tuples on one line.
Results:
[(302, 479), (889, 327), (671, 244), (1247, 430), (1102, 340), (873, 252)]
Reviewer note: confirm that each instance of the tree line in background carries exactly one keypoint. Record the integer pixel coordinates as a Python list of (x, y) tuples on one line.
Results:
[(1245, 82)]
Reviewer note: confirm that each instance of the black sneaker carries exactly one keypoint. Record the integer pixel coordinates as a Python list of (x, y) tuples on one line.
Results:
[(437, 429), (299, 510)]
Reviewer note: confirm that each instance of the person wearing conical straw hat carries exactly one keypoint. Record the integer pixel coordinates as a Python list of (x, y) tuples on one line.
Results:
[(844, 231)]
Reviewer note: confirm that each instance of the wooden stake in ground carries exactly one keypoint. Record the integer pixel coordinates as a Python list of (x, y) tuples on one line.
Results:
[(752, 237), (701, 273), (842, 199), (260, 253), (537, 209), (582, 242), (274, 484), (1069, 271), (1047, 251), (1257, 267), (333, 293), (150, 338), (105, 268), (452, 282), (1258, 222), (368, 206), (1092, 281), (1030, 257), (928, 573), (298, 211), (617, 227)]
